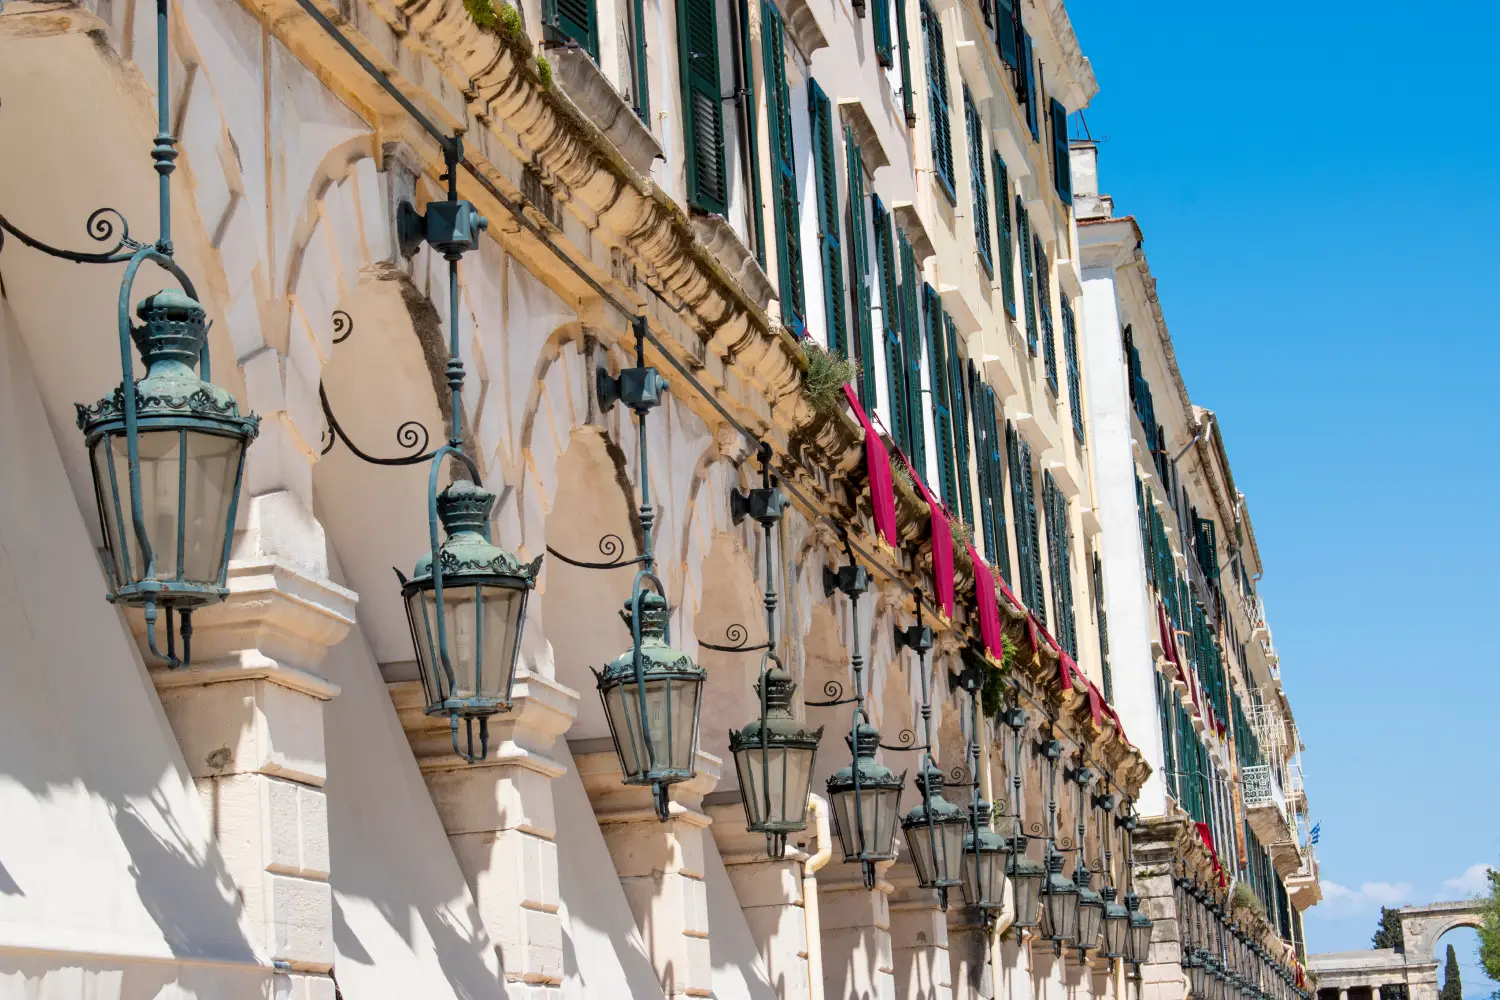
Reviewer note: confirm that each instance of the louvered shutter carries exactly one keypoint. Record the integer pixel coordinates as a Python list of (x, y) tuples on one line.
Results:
[(890, 315), (1028, 275), (937, 100), (746, 56), (937, 372), (1000, 554), (985, 529), (1044, 310), (861, 279), (820, 118), (574, 21), (1038, 598), (698, 43), (1007, 261), (880, 25), (1075, 377), (958, 406), (784, 200), (640, 97), (1033, 96), (1005, 32), (978, 169), (911, 342), (903, 42), (1062, 171)]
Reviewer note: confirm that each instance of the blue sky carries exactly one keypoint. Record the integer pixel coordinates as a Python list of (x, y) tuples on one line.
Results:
[(1315, 182)]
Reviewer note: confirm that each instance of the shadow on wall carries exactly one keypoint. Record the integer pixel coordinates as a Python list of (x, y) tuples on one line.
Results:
[(97, 800)]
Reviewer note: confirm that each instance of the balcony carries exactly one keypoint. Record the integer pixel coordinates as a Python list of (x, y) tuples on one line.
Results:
[(1265, 802), (1302, 886)]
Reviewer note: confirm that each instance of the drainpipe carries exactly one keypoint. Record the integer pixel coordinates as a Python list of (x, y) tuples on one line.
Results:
[(1007, 914), (818, 806)]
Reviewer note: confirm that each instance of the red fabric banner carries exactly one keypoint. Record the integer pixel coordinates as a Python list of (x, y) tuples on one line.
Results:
[(1067, 669), (989, 609), (1036, 647), (878, 467), (942, 545)]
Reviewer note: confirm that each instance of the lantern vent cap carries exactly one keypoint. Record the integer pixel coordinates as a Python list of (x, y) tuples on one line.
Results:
[(780, 726), (464, 510)]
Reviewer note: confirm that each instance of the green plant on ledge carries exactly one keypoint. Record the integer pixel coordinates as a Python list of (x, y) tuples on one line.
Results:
[(1246, 899), (482, 12), (544, 71), (992, 694), (827, 374)]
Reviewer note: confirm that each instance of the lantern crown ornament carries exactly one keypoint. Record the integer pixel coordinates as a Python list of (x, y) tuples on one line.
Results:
[(773, 756)]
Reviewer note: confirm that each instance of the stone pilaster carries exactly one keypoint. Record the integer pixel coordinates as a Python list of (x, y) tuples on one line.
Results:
[(501, 821), (660, 864), (769, 892), (919, 938), (248, 715), (969, 953), (856, 930), (1155, 857)]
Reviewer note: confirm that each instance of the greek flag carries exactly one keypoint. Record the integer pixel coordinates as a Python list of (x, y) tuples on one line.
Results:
[(1312, 838)]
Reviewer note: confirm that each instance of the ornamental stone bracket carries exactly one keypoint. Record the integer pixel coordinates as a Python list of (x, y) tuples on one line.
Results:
[(500, 818), (661, 865), (248, 716)]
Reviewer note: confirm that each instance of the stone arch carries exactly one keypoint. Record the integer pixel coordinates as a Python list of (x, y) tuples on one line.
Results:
[(1423, 926)]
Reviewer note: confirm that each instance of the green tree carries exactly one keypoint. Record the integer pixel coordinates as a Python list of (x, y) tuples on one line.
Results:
[(1388, 934), (1489, 929), (1453, 987)]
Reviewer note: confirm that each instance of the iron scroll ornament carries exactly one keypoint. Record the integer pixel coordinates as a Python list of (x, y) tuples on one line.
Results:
[(737, 634), (98, 226), (412, 435)]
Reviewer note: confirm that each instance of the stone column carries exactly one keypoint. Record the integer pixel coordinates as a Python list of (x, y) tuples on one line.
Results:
[(769, 892), (660, 864), (856, 929), (919, 938), (248, 715), (499, 817), (1155, 849)]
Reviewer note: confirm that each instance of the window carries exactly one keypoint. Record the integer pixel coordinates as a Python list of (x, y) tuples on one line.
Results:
[(1027, 75), (1006, 26), (1002, 219), (1023, 508), (633, 31), (891, 319), (1062, 170), (942, 422), (1075, 378), (991, 528), (1044, 311), (860, 278), (749, 127), (820, 119), (981, 188), (958, 407), (1102, 621), (783, 172), (903, 41), (911, 342), (572, 21), (1059, 559), (702, 101), (1028, 275), (1206, 547), (937, 101)]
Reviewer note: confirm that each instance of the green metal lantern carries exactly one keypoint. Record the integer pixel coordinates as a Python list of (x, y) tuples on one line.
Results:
[(466, 618), (1059, 905), (985, 857), (1197, 970), (167, 461), (1116, 925), (652, 694), (935, 829), (1027, 880), (1090, 909), (864, 796), (773, 756)]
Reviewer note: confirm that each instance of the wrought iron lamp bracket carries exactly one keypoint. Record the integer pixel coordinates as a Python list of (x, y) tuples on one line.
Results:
[(99, 228)]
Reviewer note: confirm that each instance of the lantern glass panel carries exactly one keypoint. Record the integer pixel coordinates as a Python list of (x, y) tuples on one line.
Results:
[(1198, 977), (774, 783), (1026, 879), (1090, 918), (195, 495), (873, 832), (1060, 912), (671, 721), (936, 852), (984, 878), (482, 622), (1116, 930)]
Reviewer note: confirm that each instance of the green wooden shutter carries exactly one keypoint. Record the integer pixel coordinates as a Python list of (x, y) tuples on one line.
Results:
[(640, 87), (1059, 551), (890, 315), (903, 41), (1028, 541), (1062, 170), (1007, 262), (784, 199), (978, 170), (575, 21), (911, 342), (1044, 310), (747, 111), (937, 373), (1033, 96), (698, 44), (880, 25), (1005, 32), (937, 100), (860, 278), (1075, 377), (825, 171), (1000, 554), (991, 499), (1028, 275), (958, 407)]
